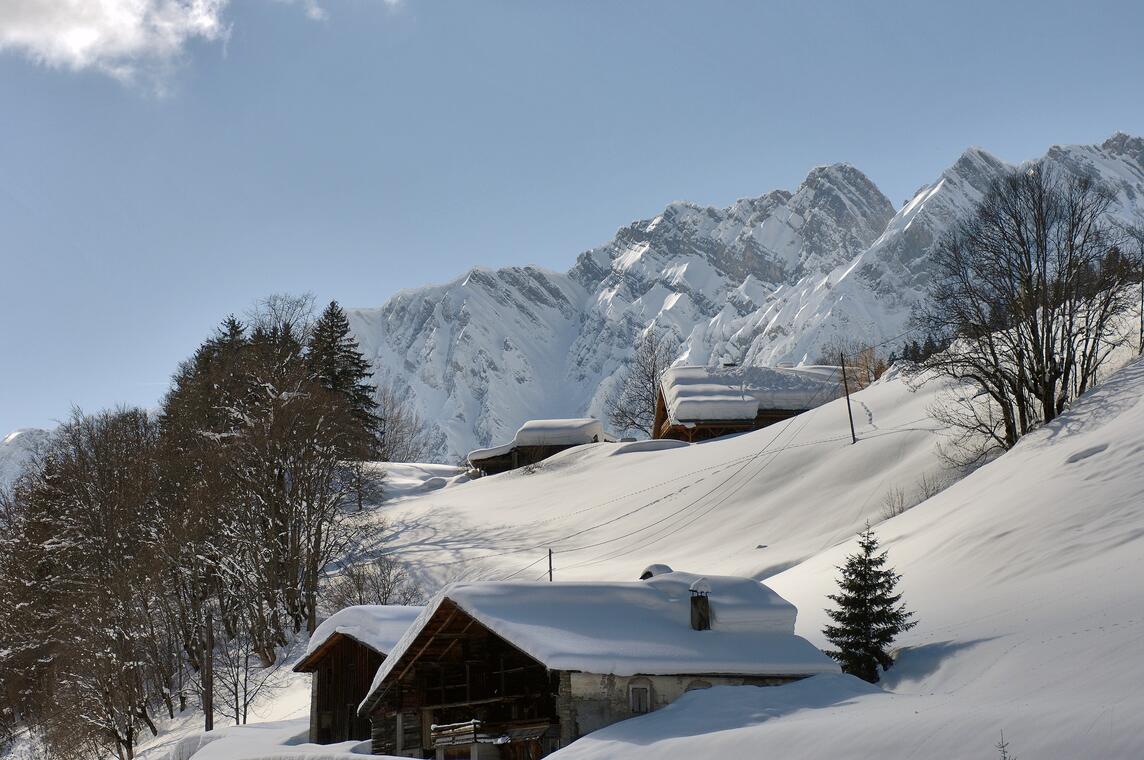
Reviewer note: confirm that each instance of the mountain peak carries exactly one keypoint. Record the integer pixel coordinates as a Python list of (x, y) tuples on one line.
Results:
[(766, 279), (1124, 144)]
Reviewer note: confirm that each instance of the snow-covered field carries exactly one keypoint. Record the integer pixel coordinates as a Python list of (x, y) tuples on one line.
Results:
[(1027, 579), (1026, 576), (747, 505)]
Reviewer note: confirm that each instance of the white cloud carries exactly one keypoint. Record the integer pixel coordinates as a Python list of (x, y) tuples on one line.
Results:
[(124, 38), (314, 11), (120, 37)]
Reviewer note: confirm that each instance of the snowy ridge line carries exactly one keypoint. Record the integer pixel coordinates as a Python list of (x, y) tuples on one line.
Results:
[(722, 500), (678, 525), (746, 460), (681, 524), (764, 450), (755, 284)]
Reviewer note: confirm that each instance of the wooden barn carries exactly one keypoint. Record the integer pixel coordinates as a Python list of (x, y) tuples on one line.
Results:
[(536, 440), (698, 403), (516, 670), (343, 655)]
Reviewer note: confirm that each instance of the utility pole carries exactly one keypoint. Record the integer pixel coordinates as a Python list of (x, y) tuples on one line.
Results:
[(208, 675), (550, 566), (846, 387)]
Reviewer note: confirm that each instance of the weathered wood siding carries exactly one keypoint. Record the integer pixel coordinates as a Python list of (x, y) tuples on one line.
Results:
[(340, 682), (587, 702)]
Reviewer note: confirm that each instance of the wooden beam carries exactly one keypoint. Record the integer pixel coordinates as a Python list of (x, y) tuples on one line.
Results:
[(433, 635), (486, 701), (454, 642)]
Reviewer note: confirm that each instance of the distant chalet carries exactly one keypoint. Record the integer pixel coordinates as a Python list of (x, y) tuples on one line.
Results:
[(698, 403), (343, 654), (535, 441), (514, 670)]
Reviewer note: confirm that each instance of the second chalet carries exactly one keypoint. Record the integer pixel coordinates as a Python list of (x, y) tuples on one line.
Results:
[(512, 670), (343, 654), (697, 403), (535, 441)]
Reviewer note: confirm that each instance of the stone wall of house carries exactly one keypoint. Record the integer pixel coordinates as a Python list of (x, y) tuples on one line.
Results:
[(587, 702)]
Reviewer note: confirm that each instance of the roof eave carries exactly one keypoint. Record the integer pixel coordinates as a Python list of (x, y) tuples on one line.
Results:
[(309, 663)]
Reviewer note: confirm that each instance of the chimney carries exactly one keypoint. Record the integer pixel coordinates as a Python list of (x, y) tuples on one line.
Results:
[(701, 605), (653, 570)]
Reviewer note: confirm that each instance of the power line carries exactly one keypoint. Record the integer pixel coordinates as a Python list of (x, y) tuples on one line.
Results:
[(521, 570), (746, 461), (679, 525)]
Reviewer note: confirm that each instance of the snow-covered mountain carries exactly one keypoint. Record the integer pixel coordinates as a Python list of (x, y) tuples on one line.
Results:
[(766, 280), (16, 449)]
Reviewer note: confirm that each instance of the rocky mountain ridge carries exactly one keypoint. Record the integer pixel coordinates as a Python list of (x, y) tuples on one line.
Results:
[(765, 280)]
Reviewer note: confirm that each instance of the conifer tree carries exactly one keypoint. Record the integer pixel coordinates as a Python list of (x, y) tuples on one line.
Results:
[(334, 358), (869, 614)]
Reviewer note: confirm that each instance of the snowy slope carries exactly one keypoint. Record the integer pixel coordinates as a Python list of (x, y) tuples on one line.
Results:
[(708, 508), (1025, 575), (766, 280), (746, 505), (1026, 578)]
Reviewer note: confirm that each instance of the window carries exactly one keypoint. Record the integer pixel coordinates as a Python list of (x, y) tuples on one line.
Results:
[(640, 699)]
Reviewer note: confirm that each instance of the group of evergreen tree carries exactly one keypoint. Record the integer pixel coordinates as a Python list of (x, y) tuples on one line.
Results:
[(916, 352), (145, 557)]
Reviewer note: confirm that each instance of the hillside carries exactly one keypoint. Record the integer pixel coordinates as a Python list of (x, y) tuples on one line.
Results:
[(1026, 579), (765, 280), (1024, 576), (751, 504)]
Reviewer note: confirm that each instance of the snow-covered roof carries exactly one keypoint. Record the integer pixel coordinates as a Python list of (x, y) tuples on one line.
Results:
[(630, 628), (569, 432), (377, 626), (698, 394)]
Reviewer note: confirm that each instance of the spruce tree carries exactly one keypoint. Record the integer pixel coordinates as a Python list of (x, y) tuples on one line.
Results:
[(339, 366), (869, 614)]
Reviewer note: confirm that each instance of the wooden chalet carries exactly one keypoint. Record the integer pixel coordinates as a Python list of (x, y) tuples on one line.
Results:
[(535, 441), (343, 655), (515, 670), (698, 403)]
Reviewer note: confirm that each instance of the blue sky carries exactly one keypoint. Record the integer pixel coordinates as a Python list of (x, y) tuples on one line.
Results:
[(149, 186)]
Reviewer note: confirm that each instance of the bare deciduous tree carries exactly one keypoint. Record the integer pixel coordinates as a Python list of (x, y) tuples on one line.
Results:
[(630, 405), (405, 436), (863, 363), (379, 581), (239, 676), (1027, 292)]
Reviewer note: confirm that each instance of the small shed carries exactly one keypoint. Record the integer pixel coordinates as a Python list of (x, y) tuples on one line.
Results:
[(698, 403), (517, 670), (343, 654), (537, 440)]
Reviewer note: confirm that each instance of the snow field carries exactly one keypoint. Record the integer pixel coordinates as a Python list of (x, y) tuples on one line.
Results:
[(1025, 576), (1026, 580)]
